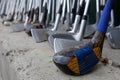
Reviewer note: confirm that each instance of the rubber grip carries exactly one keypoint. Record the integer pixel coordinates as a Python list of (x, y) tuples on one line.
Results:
[(103, 23)]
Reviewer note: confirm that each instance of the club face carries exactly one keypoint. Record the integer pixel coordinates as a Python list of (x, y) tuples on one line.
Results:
[(62, 44), (61, 36), (18, 27), (39, 35)]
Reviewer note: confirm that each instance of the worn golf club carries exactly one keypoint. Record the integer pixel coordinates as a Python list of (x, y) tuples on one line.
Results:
[(78, 61), (40, 35), (74, 30)]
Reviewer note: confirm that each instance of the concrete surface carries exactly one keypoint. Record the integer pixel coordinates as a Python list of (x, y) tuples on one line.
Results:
[(33, 61)]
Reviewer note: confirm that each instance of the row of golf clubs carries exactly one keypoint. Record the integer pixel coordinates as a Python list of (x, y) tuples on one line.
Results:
[(19, 7), (59, 38), (63, 39), (67, 40), (40, 35), (13, 7), (75, 35)]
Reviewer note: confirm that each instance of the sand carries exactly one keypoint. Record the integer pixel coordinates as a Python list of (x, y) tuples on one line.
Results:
[(23, 59)]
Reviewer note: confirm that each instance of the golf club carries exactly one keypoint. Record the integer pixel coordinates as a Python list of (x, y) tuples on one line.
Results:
[(79, 61), (73, 31)]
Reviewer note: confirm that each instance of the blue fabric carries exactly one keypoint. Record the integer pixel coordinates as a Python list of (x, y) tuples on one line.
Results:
[(103, 23), (86, 59)]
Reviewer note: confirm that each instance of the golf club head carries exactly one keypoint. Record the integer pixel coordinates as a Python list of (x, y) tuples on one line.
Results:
[(62, 44), (39, 35), (18, 27), (113, 38), (76, 61), (81, 60), (59, 35)]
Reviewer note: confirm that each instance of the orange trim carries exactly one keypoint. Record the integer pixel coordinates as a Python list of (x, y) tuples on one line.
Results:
[(73, 66)]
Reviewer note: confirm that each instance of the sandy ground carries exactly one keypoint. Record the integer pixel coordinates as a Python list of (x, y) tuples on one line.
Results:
[(33, 61)]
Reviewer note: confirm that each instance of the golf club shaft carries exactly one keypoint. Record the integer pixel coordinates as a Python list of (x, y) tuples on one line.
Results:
[(58, 16), (49, 12), (78, 16), (69, 21), (63, 11), (97, 11), (44, 14)]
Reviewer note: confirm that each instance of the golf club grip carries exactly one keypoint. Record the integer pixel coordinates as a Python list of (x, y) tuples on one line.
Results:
[(103, 23)]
